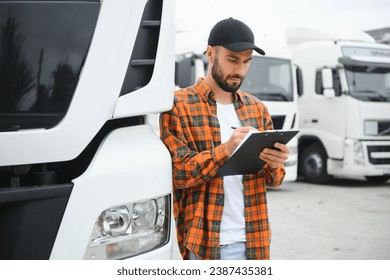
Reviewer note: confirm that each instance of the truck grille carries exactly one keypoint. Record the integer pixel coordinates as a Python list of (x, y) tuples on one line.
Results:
[(379, 154), (384, 128), (278, 121)]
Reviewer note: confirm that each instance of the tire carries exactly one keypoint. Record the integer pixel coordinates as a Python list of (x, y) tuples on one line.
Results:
[(378, 179), (313, 164)]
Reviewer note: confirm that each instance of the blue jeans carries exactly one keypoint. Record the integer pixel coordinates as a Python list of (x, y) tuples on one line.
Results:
[(235, 251)]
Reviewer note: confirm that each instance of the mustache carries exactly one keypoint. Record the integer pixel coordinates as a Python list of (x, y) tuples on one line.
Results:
[(235, 76)]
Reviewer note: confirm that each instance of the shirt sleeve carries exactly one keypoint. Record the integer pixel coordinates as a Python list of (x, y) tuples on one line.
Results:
[(190, 167), (273, 176)]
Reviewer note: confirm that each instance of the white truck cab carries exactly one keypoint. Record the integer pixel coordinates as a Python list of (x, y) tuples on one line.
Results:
[(82, 176), (345, 106)]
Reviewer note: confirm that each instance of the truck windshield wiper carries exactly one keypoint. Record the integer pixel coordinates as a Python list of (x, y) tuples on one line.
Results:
[(373, 95), (271, 96)]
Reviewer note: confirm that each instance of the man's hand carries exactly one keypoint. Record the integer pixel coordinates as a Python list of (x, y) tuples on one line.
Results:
[(237, 136), (275, 157)]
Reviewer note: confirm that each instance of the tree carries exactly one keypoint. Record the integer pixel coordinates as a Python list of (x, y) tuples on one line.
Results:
[(16, 77), (65, 81)]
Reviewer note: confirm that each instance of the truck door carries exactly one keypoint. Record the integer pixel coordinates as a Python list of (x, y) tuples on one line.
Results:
[(329, 114)]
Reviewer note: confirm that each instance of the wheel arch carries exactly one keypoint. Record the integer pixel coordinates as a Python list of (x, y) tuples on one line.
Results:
[(306, 141)]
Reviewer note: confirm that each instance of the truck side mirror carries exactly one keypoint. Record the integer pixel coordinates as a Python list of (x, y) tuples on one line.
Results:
[(327, 83), (299, 77)]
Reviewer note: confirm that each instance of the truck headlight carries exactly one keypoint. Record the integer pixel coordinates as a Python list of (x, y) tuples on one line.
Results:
[(114, 221), (130, 229), (144, 215), (358, 150)]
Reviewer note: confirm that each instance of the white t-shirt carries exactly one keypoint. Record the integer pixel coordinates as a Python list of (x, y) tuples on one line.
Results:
[(233, 220)]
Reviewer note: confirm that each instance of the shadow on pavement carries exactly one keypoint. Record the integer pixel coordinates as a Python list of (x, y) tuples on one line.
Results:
[(344, 182)]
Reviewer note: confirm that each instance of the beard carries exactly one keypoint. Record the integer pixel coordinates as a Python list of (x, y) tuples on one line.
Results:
[(218, 75)]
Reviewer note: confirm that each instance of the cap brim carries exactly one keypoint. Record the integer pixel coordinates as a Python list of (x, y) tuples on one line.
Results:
[(243, 46)]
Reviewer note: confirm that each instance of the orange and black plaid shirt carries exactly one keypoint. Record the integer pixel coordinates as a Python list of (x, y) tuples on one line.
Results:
[(191, 133)]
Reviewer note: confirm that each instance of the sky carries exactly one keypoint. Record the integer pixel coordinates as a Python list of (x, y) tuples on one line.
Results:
[(272, 16)]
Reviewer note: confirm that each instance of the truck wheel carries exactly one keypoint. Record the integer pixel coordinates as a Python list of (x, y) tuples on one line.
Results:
[(312, 165), (378, 179)]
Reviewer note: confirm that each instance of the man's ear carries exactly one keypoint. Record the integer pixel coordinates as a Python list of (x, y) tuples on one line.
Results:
[(210, 53)]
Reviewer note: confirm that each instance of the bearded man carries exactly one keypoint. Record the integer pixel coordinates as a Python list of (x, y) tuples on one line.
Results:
[(220, 217)]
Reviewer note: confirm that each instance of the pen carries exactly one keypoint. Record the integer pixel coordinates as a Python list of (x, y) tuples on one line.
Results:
[(233, 127)]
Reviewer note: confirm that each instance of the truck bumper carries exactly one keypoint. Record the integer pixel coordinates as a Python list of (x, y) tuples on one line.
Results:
[(362, 158)]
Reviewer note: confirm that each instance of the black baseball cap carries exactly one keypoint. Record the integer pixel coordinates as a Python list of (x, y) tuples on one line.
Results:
[(233, 35)]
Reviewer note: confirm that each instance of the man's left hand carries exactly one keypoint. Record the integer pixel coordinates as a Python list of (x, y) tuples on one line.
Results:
[(275, 157)]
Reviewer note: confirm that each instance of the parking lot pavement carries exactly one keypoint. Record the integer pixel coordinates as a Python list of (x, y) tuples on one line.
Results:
[(348, 220)]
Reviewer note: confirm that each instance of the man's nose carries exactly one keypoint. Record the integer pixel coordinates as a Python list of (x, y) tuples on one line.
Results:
[(240, 69)]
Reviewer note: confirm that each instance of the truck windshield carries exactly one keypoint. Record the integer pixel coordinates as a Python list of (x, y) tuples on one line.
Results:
[(43, 45), (269, 79), (369, 82)]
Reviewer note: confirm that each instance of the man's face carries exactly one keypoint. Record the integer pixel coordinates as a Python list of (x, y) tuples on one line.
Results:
[(229, 68)]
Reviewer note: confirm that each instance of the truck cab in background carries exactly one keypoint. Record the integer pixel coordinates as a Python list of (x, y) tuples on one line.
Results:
[(271, 78), (345, 106), (82, 176)]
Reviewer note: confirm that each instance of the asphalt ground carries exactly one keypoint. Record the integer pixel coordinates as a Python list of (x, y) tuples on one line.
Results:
[(347, 220)]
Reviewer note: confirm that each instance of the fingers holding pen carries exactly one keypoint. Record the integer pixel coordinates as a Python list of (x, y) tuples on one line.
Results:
[(236, 137)]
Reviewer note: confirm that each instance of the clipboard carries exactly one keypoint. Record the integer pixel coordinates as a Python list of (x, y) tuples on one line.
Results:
[(245, 159)]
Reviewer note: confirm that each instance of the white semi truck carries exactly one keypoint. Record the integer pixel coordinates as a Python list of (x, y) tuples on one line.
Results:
[(81, 174), (345, 106), (271, 78)]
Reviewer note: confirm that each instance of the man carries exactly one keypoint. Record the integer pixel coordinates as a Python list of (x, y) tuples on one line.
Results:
[(220, 217)]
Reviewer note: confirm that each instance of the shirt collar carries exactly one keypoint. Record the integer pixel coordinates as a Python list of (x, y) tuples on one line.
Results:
[(206, 92)]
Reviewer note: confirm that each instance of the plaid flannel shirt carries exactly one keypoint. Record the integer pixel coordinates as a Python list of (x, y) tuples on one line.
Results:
[(191, 133)]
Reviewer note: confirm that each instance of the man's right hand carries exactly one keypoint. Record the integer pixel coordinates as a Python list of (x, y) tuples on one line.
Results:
[(237, 136)]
